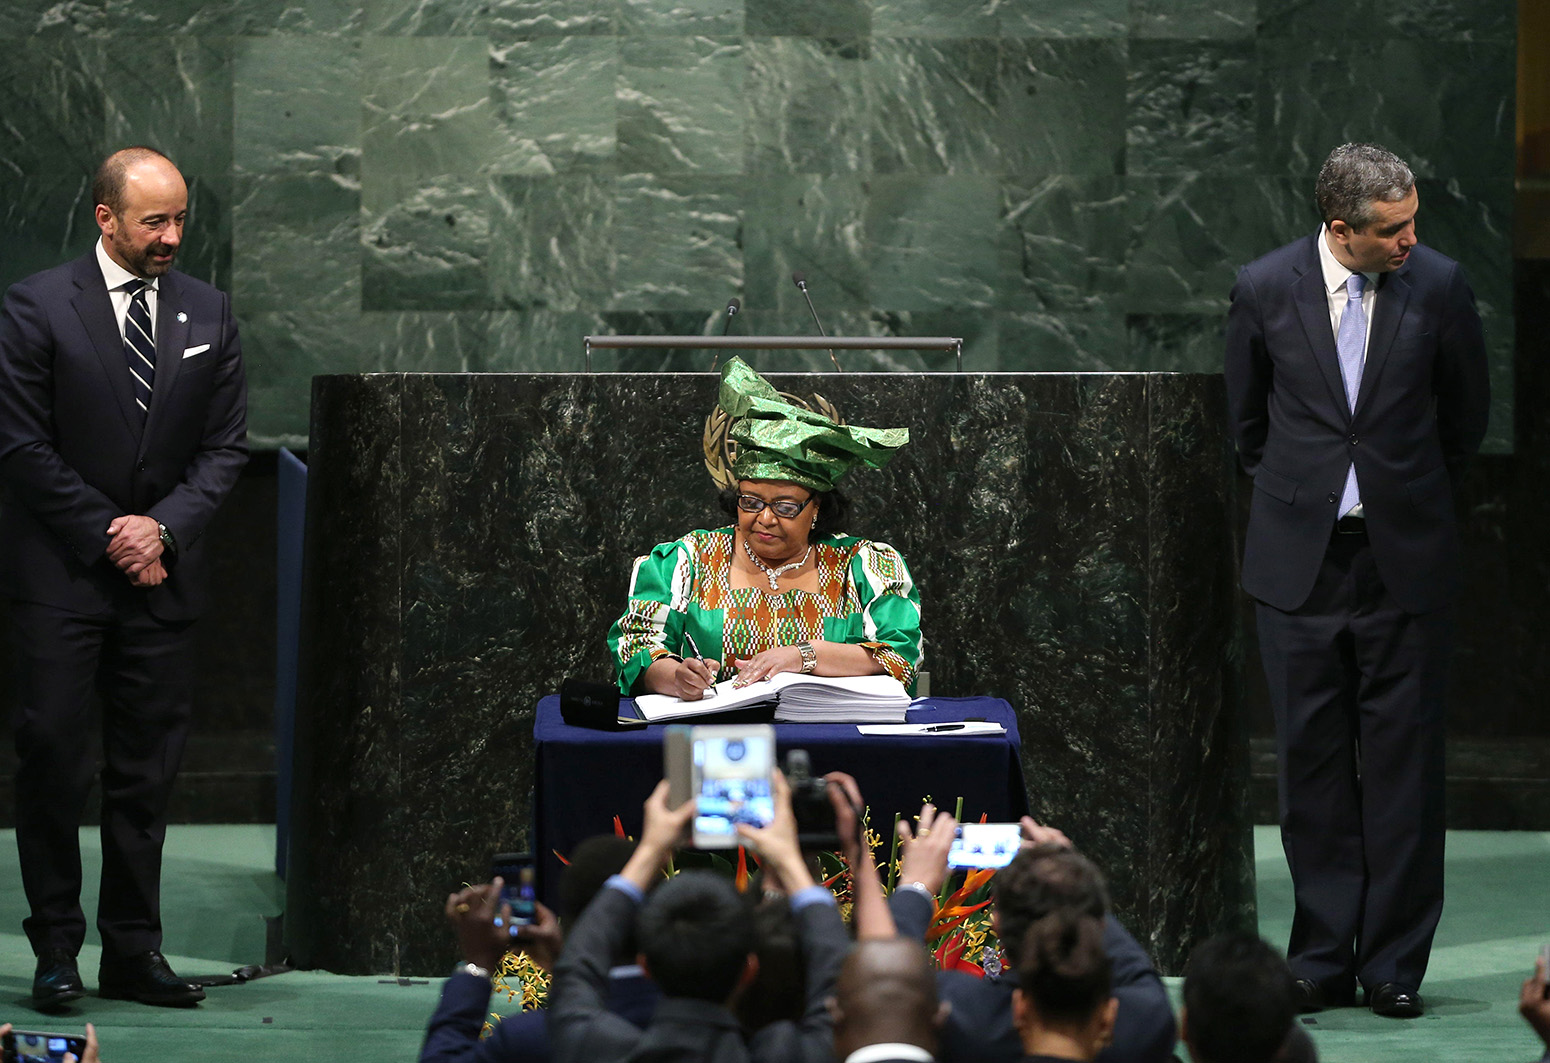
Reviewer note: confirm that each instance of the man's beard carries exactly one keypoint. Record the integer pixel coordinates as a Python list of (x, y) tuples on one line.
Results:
[(140, 262)]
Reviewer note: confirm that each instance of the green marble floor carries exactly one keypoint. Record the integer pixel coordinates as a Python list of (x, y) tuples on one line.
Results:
[(219, 889)]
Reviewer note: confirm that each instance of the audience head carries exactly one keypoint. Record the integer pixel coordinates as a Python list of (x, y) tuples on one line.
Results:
[(886, 993), (592, 863), (1040, 880), (779, 990), (1240, 1000), (1062, 1003), (695, 937)]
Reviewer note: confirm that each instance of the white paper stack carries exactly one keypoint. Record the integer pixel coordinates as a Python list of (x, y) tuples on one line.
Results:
[(798, 699)]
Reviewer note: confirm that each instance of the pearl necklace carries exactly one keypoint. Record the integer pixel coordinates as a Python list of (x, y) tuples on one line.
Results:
[(775, 573)]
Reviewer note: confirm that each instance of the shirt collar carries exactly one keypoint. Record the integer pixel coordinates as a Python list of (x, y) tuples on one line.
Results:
[(1335, 274), (116, 276), (889, 1050)]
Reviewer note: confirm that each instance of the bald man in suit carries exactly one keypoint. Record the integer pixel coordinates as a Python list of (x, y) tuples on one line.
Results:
[(122, 428)]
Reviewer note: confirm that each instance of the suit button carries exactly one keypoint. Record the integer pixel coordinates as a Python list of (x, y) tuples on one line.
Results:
[(1353, 439), (1333, 498), (141, 466)]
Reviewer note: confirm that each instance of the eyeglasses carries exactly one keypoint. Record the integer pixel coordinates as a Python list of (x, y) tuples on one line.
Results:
[(783, 507)]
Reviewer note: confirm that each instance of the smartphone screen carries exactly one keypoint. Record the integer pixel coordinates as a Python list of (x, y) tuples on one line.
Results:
[(731, 781), (981, 845), (27, 1047), (520, 889)]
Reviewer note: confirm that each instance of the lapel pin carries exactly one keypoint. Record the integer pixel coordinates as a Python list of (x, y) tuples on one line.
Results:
[(182, 318)]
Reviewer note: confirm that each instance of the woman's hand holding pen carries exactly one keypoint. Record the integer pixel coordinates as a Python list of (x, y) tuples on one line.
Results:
[(693, 677)]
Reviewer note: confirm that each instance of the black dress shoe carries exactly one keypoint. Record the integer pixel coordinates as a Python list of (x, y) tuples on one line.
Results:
[(147, 978), (1310, 996), (57, 981), (1395, 1001)]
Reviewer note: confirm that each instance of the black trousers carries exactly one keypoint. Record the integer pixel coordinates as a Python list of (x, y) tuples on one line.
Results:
[(1358, 688), (141, 668)]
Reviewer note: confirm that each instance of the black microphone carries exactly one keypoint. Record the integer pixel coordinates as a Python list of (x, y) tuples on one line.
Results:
[(800, 280), (733, 306)]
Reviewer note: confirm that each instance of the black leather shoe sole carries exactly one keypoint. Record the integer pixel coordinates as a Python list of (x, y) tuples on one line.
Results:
[(165, 998), (54, 999)]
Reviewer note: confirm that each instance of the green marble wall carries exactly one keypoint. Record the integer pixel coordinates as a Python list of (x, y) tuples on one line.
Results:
[(449, 185)]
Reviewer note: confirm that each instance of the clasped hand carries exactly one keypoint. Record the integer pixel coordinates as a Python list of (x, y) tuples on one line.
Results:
[(135, 547)]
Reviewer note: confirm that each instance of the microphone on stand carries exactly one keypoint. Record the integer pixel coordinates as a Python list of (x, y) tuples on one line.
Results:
[(800, 280), (733, 306)]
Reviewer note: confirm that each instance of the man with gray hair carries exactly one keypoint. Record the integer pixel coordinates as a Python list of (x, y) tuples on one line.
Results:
[(1357, 391)]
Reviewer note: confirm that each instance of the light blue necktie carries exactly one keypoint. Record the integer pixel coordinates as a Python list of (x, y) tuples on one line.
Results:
[(139, 347), (1350, 343)]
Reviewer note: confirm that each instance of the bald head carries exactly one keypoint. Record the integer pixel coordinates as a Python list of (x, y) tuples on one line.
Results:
[(141, 206), (886, 993)]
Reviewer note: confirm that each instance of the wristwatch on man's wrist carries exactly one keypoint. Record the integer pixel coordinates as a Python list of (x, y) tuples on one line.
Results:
[(469, 967), (167, 541), (809, 657)]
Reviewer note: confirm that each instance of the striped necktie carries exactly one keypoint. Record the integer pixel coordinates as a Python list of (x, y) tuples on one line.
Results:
[(139, 347)]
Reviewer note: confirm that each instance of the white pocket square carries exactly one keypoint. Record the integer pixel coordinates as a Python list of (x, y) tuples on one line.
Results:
[(189, 352)]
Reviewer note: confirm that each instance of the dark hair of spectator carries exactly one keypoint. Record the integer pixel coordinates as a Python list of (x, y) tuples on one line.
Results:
[(1063, 971), (591, 864), (780, 990), (696, 934), (833, 511), (1239, 999), (1354, 177), (1040, 880), (107, 186)]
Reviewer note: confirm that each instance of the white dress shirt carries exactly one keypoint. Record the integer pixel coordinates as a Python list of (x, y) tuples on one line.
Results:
[(116, 276), (890, 1050), (1335, 276)]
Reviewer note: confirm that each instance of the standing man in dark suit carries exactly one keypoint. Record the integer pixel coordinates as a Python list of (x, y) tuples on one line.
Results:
[(1357, 388), (122, 428)]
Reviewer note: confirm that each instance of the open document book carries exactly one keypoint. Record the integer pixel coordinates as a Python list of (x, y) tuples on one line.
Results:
[(797, 698)]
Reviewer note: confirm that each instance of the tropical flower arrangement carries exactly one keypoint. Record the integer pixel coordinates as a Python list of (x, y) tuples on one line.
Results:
[(959, 936)]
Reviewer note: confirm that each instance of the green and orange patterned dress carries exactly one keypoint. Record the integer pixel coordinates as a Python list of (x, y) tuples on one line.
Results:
[(865, 597)]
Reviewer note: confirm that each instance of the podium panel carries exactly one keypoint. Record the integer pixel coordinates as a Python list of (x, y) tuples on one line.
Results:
[(469, 541)]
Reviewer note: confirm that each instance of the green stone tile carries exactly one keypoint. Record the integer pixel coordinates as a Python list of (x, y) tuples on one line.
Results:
[(1189, 235), (541, 341), (427, 107), (52, 18), (230, 18), (1445, 108), (206, 249), (1062, 18), (174, 94), (1458, 20), (679, 243), (428, 18), (1061, 244), (1193, 19), (680, 105), (933, 18), (812, 224), (979, 330), (46, 219), (927, 241), (1015, 106), (1191, 107), (1090, 341), (552, 243), (1500, 346), (716, 18), (547, 18), (807, 18), (807, 106), (55, 116), (298, 244), (1177, 343), (554, 104), (426, 247), (293, 110)]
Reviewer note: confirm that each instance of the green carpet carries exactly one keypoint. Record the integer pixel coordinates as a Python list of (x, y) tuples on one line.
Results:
[(219, 889)]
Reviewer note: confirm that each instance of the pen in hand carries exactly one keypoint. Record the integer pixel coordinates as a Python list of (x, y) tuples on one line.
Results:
[(698, 655)]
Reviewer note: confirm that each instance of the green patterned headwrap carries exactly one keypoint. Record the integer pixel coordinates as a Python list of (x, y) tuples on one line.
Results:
[(779, 441)]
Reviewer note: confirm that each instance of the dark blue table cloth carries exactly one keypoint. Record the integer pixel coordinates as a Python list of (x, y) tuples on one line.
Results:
[(585, 778)]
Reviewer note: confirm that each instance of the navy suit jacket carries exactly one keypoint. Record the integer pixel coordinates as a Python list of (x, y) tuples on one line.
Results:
[(979, 1027), (1421, 412), (73, 454)]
